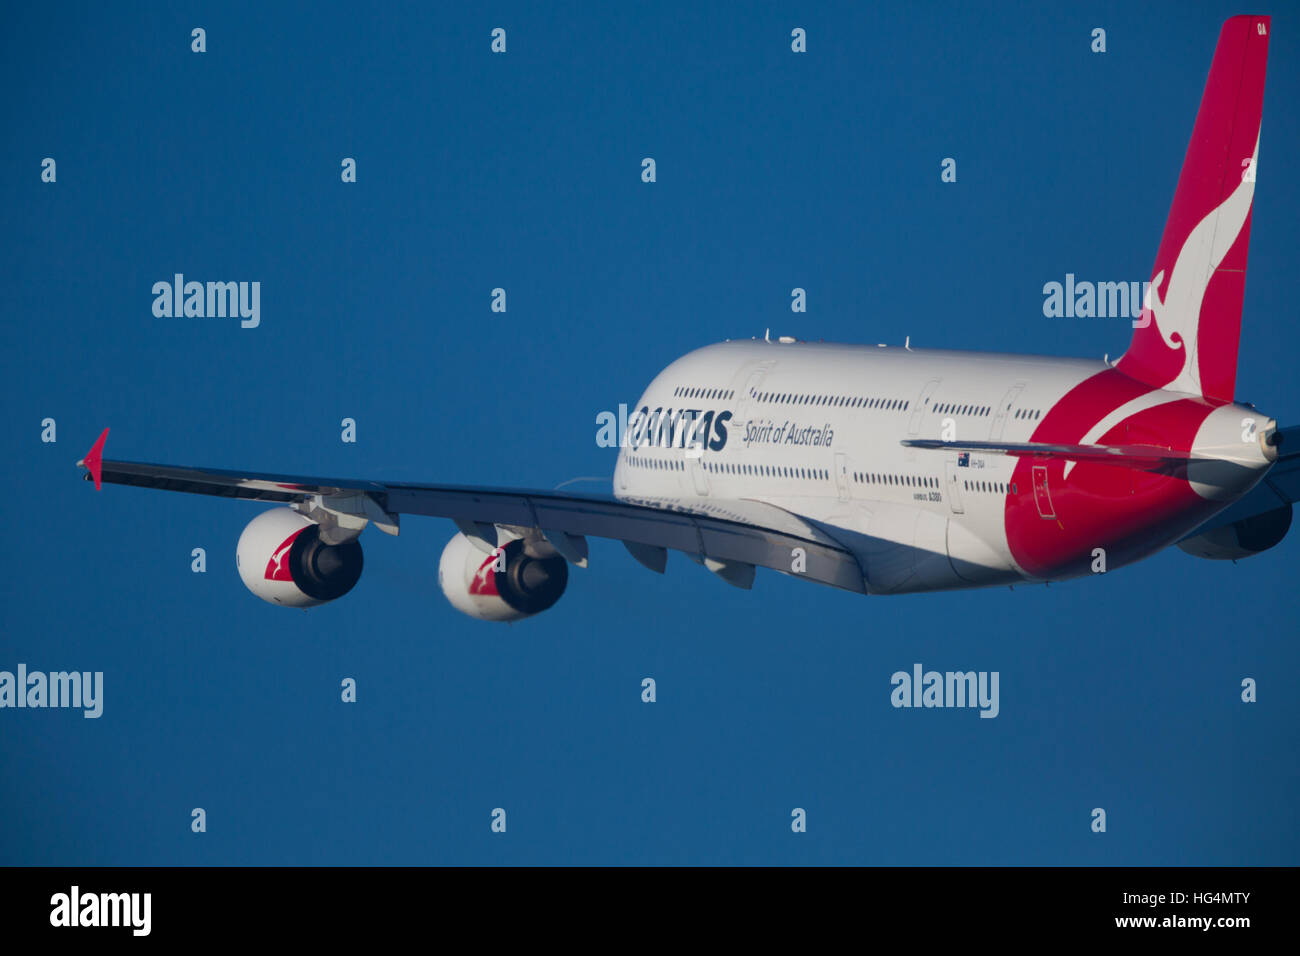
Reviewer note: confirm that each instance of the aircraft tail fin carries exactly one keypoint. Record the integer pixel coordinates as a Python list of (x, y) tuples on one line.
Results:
[(1187, 336)]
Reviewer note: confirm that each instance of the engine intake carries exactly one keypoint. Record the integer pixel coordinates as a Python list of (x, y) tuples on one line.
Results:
[(282, 559), (508, 585)]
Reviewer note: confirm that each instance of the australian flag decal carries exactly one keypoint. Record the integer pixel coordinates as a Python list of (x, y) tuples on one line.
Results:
[(963, 460)]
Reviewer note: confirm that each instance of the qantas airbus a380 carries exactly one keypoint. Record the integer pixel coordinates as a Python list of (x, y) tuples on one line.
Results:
[(878, 470)]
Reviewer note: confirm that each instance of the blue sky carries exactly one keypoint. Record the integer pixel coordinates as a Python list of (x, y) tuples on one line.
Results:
[(522, 171)]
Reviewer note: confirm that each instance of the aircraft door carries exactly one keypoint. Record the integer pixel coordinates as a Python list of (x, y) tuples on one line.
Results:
[(1004, 410), (921, 406), (953, 487), (1042, 496), (750, 391), (842, 475), (701, 480)]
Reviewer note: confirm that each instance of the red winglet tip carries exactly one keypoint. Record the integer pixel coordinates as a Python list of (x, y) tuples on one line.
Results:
[(93, 461)]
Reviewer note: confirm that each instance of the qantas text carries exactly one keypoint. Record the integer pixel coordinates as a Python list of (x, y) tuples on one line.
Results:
[(663, 428)]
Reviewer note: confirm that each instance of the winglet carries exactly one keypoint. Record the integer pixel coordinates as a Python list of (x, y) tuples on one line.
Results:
[(94, 458)]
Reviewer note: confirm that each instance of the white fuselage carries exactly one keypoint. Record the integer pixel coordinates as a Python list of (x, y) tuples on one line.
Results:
[(815, 430)]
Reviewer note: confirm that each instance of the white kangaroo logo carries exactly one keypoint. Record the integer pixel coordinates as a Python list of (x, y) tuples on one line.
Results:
[(278, 559), (1177, 315), (481, 577)]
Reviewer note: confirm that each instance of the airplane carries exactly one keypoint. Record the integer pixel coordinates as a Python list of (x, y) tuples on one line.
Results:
[(872, 469)]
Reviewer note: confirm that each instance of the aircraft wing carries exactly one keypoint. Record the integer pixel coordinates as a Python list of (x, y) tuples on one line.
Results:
[(730, 538)]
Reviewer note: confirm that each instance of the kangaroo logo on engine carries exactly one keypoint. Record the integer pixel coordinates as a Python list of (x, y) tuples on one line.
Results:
[(485, 579), (277, 569)]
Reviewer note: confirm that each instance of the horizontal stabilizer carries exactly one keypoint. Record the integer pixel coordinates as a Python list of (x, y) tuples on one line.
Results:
[(1141, 457)]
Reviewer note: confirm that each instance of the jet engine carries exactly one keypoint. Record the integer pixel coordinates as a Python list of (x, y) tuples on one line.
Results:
[(282, 560), (1242, 538), (508, 585)]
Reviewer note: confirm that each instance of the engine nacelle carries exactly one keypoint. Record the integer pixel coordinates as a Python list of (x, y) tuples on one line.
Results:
[(1242, 538), (508, 586), (282, 560)]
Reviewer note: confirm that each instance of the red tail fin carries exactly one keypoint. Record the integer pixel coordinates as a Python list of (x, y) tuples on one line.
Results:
[(1187, 337)]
